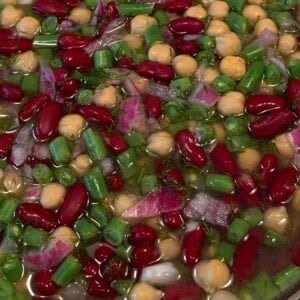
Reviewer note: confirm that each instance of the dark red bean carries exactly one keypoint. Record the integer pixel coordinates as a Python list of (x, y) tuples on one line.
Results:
[(70, 40), (98, 287), (173, 219), (7, 34), (90, 267), (35, 215), (267, 168), (114, 181), (72, 3), (60, 75), (283, 185), (186, 25), (73, 205), (14, 46), (32, 106), (50, 7), (11, 92), (114, 141), (96, 114), (183, 290), (111, 10), (69, 88), (293, 91), (272, 124), (296, 254), (6, 141), (125, 62), (43, 283), (141, 234), (114, 269), (76, 59), (155, 70), (103, 253), (47, 121), (152, 106), (259, 104), (187, 47), (173, 177), (177, 6), (191, 246), (144, 255)]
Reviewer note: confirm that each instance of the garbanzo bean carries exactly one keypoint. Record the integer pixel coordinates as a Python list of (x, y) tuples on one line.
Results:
[(12, 182), (144, 291), (196, 11), (122, 202), (28, 27), (296, 200), (257, 2), (134, 42), (81, 165), (169, 248), (65, 233), (10, 16), (223, 295), (218, 10), (284, 147), (220, 133), (71, 126), (140, 23), (233, 67), (161, 143), (287, 44), (217, 28), (107, 97), (26, 62), (228, 44), (263, 24), (276, 218), (208, 75), (184, 65), (162, 53), (80, 15), (248, 159), (254, 13), (52, 195), (232, 103)]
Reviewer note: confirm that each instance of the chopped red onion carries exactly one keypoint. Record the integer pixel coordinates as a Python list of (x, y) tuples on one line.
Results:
[(296, 161), (32, 194), (279, 63), (294, 138), (98, 12), (161, 91), (266, 39), (27, 171), (4, 73), (295, 296), (153, 124), (130, 87), (75, 290), (167, 35), (191, 37), (107, 165), (47, 79), (66, 26), (191, 225), (204, 95), (78, 148), (41, 151)]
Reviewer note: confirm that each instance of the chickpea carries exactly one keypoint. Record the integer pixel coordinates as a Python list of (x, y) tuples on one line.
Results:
[(287, 44), (223, 295), (276, 218), (196, 11), (160, 143), (28, 27), (144, 291), (80, 15), (10, 16), (233, 67), (122, 202), (65, 233), (263, 24), (206, 3), (296, 200), (211, 275), (154, 222), (133, 42), (219, 131), (71, 126), (209, 251), (9, 2), (208, 75), (162, 53), (52, 195), (140, 23), (185, 65), (1, 174), (107, 97), (218, 10), (140, 83), (249, 159), (81, 165), (232, 103), (284, 147), (26, 62), (169, 248), (217, 28), (257, 2), (294, 56), (254, 13), (228, 44), (12, 182)]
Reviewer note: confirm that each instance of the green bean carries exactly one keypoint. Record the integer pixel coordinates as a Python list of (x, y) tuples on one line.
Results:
[(84, 97), (149, 183), (60, 150), (253, 52), (161, 18), (122, 286), (207, 133), (193, 179), (207, 42), (87, 230), (237, 23), (46, 54), (281, 4), (225, 252), (294, 68), (272, 74), (45, 41), (274, 239), (237, 230), (206, 58), (56, 63), (287, 278), (197, 112), (219, 183), (237, 143), (223, 84), (136, 139), (183, 85), (119, 49), (89, 31), (91, 3), (134, 9), (236, 5), (153, 35), (34, 237), (30, 84), (139, 55), (175, 127), (94, 144), (14, 231), (11, 266), (7, 211), (174, 111), (65, 175), (103, 59), (115, 232), (280, 17), (128, 163), (252, 216), (42, 174), (236, 125), (97, 212), (7, 290), (49, 25), (16, 78)]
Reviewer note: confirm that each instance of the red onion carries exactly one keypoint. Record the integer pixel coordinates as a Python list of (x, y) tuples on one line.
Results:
[(75, 290), (266, 39), (32, 194), (4, 73), (130, 87), (204, 95), (78, 148), (98, 12), (167, 35), (191, 37), (294, 138), (153, 124), (41, 151), (279, 63), (107, 165), (66, 26), (47, 79), (161, 91)]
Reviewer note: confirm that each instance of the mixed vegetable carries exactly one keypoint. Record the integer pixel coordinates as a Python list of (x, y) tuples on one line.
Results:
[(149, 149)]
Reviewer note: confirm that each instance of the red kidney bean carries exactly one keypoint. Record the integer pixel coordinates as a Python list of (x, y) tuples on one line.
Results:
[(125, 62), (188, 148), (155, 70), (43, 283), (293, 91), (183, 290), (177, 6), (11, 92), (14, 46), (283, 185), (142, 234), (114, 269), (90, 267), (173, 219), (76, 59), (32, 106), (60, 75), (173, 177), (296, 254), (111, 10), (259, 104), (96, 113), (114, 181), (114, 141), (223, 160), (267, 168), (191, 246), (272, 124), (186, 25), (35, 215), (72, 3), (187, 47), (47, 121), (73, 205), (103, 253), (6, 141), (7, 34), (50, 7), (69, 88), (152, 106), (98, 287), (144, 255), (70, 40)]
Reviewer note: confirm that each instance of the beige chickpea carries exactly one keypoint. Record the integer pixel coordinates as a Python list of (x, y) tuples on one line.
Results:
[(71, 126), (144, 291), (80, 15), (220, 133), (296, 200), (160, 143), (196, 11), (140, 83), (209, 251), (218, 9), (276, 218), (10, 16), (169, 248), (208, 75), (257, 2), (248, 159), (232, 103), (122, 202), (28, 27), (233, 67), (206, 3), (217, 28), (263, 24), (52, 195), (81, 165), (228, 44), (162, 53), (133, 42), (287, 44), (284, 147), (254, 13), (154, 222), (12, 182), (9, 2), (211, 275), (107, 97), (65, 233), (26, 62), (185, 65), (223, 295), (140, 23), (1, 174), (294, 56)]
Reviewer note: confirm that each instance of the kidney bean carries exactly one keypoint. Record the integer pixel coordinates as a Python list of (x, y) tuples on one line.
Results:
[(144, 255), (114, 141), (7, 34), (11, 92), (177, 6), (72, 3), (191, 246), (114, 181), (173, 219), (90, 267), (35, 215), (188, 148), (50, 7), (60, 75), (155, 70), (267, 168), (186, 25), (111, 10), (76, 59), (187, 47), (114, 269), (152, 106), (44, 284), (96, 114), (272, 124), (98, 287), (70, 40), (47, 121), (283, 185), (32, 106), (125, 62), (73, 205), (173, 177), (14, 46), (69, 88), (6, 141), (223, 160), (141, 234), (104, 252), (293, 91)]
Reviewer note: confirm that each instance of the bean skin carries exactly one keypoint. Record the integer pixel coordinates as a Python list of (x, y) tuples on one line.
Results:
[(96, 114), (11, 92), (14, 46), (155, 70), (186, 25)]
